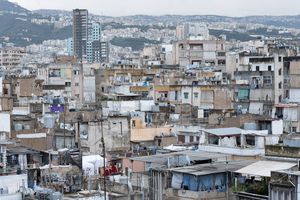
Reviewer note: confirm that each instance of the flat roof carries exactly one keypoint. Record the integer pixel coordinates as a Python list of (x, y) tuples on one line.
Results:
[(20, 150), (224, 131), (193, 155), (264, 168), (212, 168)]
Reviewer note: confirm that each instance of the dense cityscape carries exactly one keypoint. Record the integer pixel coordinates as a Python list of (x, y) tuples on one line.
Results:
[(142, 107)]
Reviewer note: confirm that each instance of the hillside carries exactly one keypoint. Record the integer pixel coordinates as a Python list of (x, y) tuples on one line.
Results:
[(49, 12), (17, 26), (7, 6), (23, 27)]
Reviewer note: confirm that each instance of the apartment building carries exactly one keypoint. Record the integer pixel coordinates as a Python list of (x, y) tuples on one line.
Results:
[(11, 56), (198, 52)]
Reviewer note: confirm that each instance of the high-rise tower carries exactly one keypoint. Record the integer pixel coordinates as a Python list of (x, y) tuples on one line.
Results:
[(80, 33)]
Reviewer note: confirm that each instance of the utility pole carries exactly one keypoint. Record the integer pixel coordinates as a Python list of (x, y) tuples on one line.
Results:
[(65, 125), (121, 124), (227, 179), (104, 157)]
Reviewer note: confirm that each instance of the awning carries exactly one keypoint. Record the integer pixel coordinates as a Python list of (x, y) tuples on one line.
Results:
[(264, 168)]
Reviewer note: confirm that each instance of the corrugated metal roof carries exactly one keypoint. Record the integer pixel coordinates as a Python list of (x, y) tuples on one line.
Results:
[(264, 168), (212, 168), (224, 131)]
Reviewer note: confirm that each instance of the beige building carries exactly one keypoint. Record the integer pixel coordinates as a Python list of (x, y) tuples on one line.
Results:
[(198, 52), (11, 56)]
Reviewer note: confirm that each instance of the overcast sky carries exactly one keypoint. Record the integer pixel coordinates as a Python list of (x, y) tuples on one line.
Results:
[(160, 7)]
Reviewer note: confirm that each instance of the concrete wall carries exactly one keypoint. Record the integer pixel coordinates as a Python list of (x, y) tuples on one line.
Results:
[(148, 134), (173, 194), (77, 84), (17, 196), (135, 166), (290, 114), (111, 132), (123, 107), (13, 182), (294, 96), (282, 151), (277, 127), (262, 95), (231, 151), (89, 89), (5, 122), (207, 99), (262, 66), (194, 94), (278, 79), (223, 99)]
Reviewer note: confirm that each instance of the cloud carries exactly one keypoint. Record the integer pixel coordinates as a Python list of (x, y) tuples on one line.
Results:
[(160, 7)]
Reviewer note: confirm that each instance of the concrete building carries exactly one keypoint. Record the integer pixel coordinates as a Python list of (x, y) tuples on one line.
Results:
[(77, 84), (199, 52), (187, 30), (80, 33), (97, 51), (11, 56)]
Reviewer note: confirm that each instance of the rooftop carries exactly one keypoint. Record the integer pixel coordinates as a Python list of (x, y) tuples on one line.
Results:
[(224, 131), (212, 168), (264, 168), (162, 159)]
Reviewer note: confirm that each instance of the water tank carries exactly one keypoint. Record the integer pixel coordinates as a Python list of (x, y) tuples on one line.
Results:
[(27, 127), (250, 126), (18, 127), (56, 196), (49, 121)]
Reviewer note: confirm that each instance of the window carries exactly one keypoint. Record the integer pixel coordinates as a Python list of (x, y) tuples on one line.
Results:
[(191, 138), (280, 98), (250, 140), (76, 72), (186, 95), (294, 129), (279, 59), (76, 84), (221, 62), (181, 139), (279, 72), (267, 80), (287, 94), (206, 113), (5, 91), (68, 84), (280, 85), (243, 94), (269, 68), (196, 95), (257, 68), (221, 54)]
